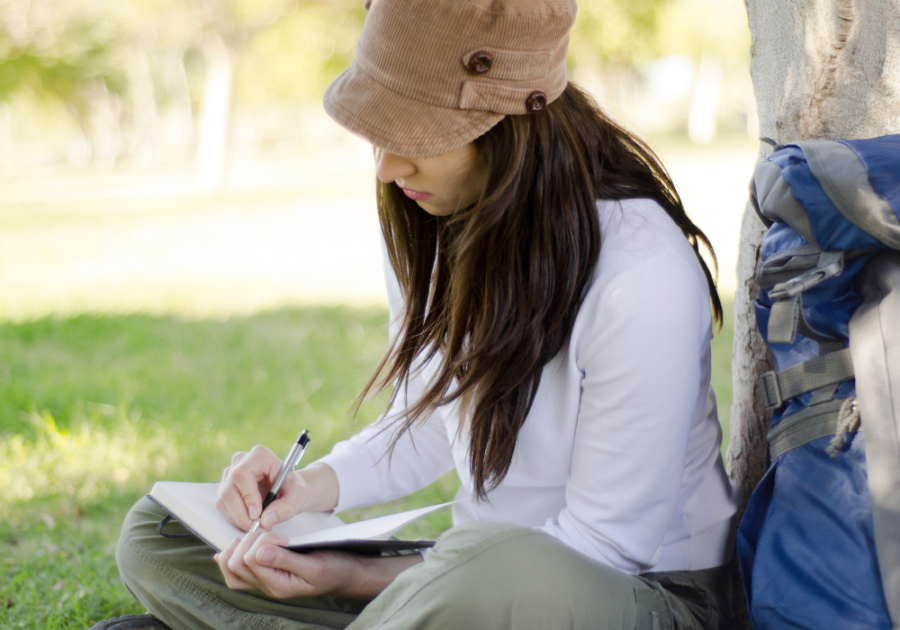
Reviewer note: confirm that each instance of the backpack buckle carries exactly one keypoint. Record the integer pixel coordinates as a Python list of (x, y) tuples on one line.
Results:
[(771, 392), (830, 265)]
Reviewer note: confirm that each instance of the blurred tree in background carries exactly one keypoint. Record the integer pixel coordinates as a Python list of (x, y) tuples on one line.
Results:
[(174, 81), (665, 55)]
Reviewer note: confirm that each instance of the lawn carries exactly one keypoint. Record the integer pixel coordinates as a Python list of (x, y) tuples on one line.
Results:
[(144, 335), (95, 408)]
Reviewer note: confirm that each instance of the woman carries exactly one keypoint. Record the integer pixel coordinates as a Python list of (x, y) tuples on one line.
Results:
[(550, 340)]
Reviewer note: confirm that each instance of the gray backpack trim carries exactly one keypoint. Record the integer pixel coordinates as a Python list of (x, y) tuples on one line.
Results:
[(844, 179), (875, 348), (772, 198)]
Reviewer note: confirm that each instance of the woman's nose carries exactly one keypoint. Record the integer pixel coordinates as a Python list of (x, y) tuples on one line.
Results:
[(392, 167)]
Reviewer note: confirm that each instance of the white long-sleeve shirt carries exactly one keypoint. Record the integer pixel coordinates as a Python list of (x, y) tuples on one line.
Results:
[(619, 456)]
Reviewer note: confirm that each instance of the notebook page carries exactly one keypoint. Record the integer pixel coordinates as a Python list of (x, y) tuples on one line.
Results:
[(194, 504), (380, 528)]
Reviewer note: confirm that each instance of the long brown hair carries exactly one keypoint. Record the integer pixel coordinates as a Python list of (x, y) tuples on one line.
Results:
[(491, 292)]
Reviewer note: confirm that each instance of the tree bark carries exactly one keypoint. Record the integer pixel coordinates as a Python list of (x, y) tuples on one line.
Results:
[(746, 456), (822, 69)]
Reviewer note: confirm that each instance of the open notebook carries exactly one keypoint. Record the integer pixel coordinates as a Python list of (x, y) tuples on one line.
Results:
[(194, 506)]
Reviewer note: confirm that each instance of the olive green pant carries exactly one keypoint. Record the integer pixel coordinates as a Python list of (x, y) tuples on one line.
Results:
[(479, 575)]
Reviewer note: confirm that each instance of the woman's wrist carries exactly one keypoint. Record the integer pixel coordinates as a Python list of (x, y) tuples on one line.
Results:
[(373, 575), (323, 489)]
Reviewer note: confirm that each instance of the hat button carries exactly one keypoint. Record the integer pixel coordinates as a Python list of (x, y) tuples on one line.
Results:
[(536, 101), (480, 62)]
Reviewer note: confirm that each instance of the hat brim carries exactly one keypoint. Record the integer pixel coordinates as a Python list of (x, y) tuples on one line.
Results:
[(399, 124)]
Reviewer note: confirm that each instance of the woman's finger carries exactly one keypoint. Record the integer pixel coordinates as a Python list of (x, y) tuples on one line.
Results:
[(281, 573), (238, 566), (290, 501), (232, 505), (273, 556), (232, 580), (248, 478)]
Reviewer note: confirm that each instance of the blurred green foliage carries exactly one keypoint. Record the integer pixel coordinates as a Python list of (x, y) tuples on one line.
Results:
[(696, 27), (289, 50), (55, 52), (296, 58), (617, 30), (285, 48)]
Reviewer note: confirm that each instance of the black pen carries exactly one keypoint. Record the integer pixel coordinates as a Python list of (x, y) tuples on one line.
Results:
[(290, 462)]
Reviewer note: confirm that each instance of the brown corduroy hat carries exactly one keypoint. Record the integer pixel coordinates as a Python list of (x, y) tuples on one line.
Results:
[(432, 75)]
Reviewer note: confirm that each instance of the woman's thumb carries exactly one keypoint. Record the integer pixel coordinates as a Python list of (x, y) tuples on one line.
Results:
[(274, 557)]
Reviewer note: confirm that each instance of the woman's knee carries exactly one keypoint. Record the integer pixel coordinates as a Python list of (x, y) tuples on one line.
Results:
[(531, 580), (143, 555), (135, 541), (495, 574)]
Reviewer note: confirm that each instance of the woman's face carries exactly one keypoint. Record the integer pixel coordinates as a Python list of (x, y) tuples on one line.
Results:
[(440, 184)]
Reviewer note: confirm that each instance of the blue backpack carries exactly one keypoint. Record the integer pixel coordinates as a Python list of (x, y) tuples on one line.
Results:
[(819, 543)]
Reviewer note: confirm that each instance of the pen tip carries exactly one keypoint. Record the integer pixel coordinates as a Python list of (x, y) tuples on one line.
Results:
[(303, 440)]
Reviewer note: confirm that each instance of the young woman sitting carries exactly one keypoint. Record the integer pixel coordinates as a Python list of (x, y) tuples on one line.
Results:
[(550, 326)]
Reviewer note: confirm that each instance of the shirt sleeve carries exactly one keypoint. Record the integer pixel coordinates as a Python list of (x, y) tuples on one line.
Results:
[(641, 361), (366, 474)]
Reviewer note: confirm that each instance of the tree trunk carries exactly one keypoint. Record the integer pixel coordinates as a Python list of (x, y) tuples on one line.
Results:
[(746, 456), (178, 121), (215, 112), (702, 121), (822, 69), (105, 137), (144, 120)]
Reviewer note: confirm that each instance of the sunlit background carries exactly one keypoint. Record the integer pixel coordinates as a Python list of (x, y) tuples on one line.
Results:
[(172, 156), (189, 251)]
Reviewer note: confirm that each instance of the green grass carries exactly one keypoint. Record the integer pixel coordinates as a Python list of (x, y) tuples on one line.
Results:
[(93, 409), (722, 351)]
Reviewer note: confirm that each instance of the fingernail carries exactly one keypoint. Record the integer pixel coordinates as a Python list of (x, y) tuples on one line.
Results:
[(269, 520), (265, 556), (253, 511)]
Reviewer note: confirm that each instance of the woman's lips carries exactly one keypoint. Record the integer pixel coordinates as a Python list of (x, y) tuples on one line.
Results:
[(415, 195)]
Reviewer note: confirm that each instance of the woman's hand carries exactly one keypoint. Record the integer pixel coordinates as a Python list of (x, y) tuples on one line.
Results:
[(251, 475), (258, 562)]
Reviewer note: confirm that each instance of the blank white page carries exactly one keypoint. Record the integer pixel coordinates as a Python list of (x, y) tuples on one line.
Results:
[(194, 505)]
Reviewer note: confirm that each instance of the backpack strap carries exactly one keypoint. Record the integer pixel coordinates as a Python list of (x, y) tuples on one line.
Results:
[(812, 423), (875, 341), (830, 368)]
